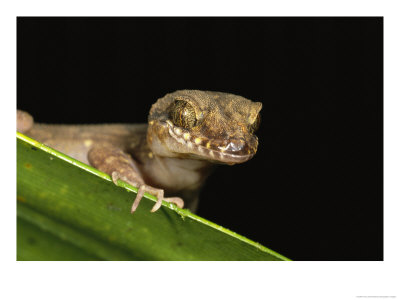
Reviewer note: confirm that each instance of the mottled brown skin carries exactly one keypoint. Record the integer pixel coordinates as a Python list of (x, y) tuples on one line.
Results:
[(187, 133)]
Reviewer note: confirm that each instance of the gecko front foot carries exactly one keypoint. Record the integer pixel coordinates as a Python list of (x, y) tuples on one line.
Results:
[(143, 188)]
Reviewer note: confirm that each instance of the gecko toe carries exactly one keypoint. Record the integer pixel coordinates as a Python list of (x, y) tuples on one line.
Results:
[(157, 205), (138, 198), (115, 176), (175, 200)]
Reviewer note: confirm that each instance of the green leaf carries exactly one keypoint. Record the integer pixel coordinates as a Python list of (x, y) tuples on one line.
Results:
[(70, 211)]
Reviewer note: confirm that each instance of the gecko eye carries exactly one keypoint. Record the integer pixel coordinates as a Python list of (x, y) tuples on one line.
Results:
[(182, 114), (256, 124)]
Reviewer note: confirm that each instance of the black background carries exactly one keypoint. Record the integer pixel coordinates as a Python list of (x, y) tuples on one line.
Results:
[(314, 189)]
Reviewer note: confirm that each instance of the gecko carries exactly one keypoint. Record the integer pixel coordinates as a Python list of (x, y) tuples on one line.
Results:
[(188, 132)]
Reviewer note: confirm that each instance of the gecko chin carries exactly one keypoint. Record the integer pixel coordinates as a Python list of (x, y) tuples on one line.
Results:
[(183, 144)]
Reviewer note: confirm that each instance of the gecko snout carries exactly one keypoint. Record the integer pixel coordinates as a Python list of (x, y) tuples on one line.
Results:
[(234, 146)]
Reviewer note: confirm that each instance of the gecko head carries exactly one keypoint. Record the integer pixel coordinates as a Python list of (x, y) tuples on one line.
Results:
[(204, 125)]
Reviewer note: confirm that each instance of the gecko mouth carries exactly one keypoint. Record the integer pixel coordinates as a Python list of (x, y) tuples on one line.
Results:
[(230, 151)]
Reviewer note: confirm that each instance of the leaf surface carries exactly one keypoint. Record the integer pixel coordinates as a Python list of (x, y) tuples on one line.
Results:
[(70, 211)]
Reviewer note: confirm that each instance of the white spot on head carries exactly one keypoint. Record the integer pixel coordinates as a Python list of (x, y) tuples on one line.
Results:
[(88, 143), (178, 131), (186, 136), (197, 141), (109, 160)]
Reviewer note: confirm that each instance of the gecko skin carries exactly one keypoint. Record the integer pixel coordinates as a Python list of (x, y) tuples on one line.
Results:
[(188, 131)]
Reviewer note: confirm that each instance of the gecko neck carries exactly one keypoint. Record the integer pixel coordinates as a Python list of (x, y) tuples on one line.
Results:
[(177, 174)]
